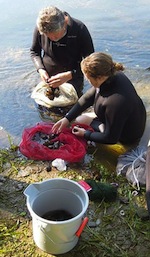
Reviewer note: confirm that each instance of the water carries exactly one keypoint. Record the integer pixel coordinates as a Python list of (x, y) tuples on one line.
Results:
[(120, 28), (57, 215)]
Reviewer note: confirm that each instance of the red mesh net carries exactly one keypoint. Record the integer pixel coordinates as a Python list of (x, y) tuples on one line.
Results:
[(71, 148)]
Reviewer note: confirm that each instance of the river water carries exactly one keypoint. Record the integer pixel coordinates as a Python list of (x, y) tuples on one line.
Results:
[(120, 28)]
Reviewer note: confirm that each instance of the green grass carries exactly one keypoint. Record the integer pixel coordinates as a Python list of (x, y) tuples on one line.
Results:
[(122, 232)]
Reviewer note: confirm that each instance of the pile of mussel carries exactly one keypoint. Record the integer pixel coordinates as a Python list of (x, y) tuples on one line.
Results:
[(51, 92), (47, 140)]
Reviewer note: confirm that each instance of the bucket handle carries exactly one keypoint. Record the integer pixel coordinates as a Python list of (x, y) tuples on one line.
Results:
[(44, 232), (83, 224), (78, 233)]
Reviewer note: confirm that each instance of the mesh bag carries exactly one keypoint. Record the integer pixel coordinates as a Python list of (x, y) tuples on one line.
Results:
[(132, 165), (71, 148)]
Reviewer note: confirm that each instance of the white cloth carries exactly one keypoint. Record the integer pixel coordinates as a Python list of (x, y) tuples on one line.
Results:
[(67, 96)]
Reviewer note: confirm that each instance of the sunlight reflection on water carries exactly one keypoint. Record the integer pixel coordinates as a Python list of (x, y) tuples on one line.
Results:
[(116, 28)]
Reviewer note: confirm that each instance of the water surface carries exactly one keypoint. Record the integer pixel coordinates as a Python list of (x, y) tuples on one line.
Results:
[(120, 28)]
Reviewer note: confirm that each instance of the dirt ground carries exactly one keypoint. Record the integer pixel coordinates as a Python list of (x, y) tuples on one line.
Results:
[(117, 228)]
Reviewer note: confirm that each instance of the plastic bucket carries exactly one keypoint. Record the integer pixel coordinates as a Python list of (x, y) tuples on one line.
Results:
[(52, 196)]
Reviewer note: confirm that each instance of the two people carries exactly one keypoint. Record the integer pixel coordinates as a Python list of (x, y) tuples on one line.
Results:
[(63, 51), (119, 114), (59, 44)]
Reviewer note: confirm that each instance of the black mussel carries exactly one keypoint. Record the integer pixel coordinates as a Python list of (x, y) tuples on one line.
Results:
[(46, 143), (51, 146), (49, 92), (52, 136), (56, 92), (44, 136), (75, 130), (49, 167), (56, 144)]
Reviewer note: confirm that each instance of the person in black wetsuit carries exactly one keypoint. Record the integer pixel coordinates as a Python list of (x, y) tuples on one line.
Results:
[(59, 44), (119, 113)]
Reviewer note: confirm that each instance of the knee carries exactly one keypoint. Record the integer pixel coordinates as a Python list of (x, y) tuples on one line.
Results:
[(79, 119), (84, 119)]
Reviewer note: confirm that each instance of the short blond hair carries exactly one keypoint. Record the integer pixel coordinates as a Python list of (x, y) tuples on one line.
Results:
[(50, 19), (100, 64)]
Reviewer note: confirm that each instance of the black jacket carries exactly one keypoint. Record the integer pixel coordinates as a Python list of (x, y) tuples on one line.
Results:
[(64, 55), (118, 106)]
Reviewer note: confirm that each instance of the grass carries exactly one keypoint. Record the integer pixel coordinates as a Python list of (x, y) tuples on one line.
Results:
[(124, 230)]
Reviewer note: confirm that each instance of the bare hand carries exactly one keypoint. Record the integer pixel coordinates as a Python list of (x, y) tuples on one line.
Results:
[(44, 75), (59, 79), (60, 125), (78, 131)]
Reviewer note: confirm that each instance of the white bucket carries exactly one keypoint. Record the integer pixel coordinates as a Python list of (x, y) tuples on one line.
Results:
[(53, 236)]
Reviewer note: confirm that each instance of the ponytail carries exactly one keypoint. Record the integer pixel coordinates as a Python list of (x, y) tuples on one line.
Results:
[(118, 66)]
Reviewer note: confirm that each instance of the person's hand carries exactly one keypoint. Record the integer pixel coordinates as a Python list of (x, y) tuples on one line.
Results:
[(60, 125), (44, 75), (78, 131), (59, 79)]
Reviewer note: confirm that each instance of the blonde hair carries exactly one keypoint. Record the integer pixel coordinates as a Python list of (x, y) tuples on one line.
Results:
[(50, 19), (100, 64)]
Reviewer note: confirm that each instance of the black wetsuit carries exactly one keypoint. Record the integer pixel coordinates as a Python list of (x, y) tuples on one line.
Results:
[(65, 54), (118, 106)]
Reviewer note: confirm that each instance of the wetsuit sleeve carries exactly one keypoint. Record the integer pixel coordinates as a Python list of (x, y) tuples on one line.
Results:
[(86, 42), (86, 47), (83, 103), (36, 50), (98, 137)]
